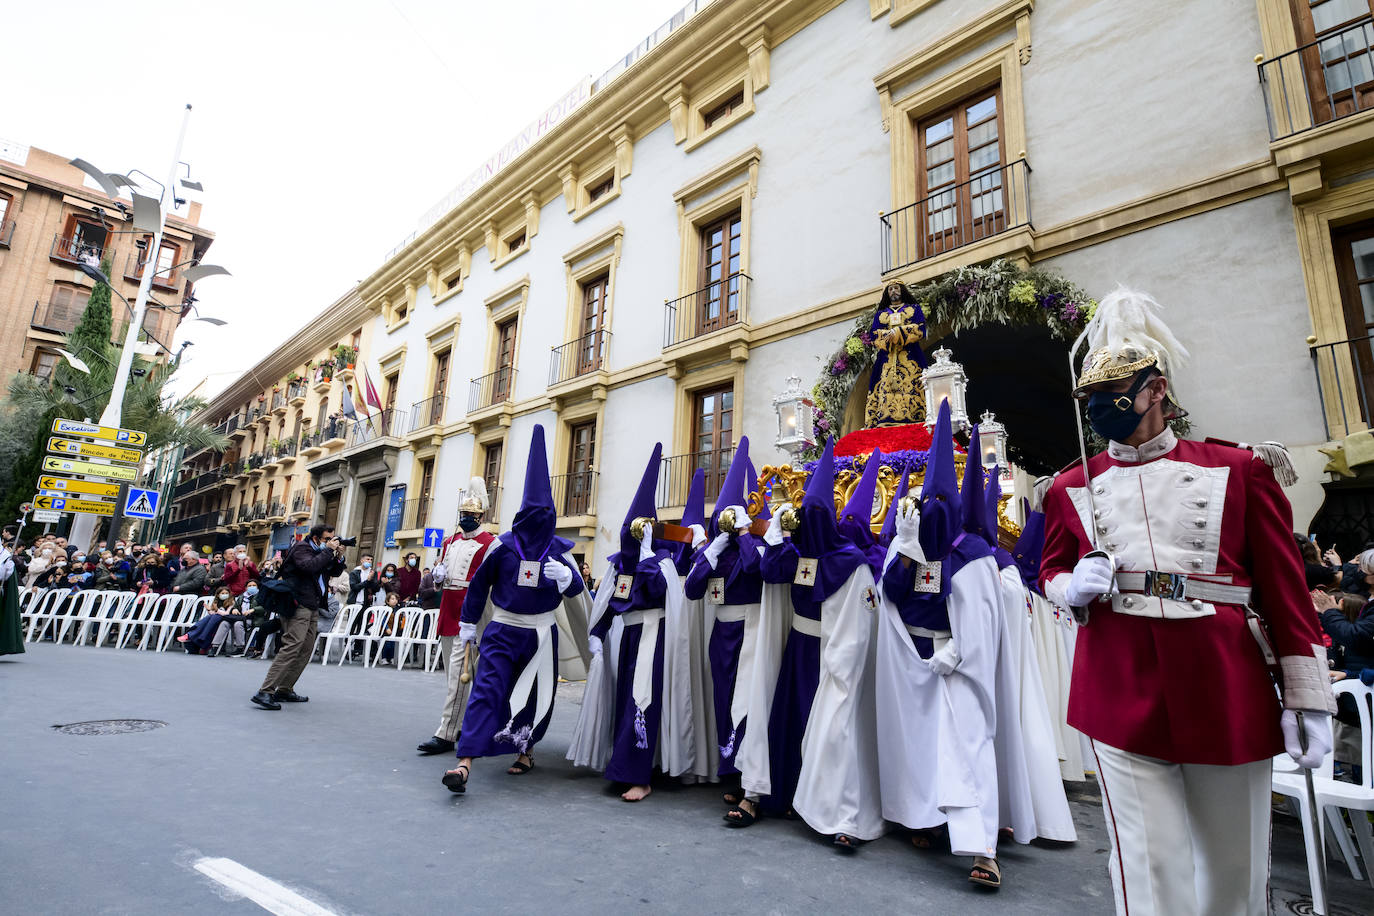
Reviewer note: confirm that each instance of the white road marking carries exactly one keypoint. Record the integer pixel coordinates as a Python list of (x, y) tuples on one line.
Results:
[(262, 890)]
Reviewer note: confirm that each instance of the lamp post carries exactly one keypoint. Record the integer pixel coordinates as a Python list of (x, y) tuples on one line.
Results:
[(944, 380), (796, 420)]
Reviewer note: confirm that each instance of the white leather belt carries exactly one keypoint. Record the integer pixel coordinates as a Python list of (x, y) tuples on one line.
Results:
[(525, 621), (928, 633), (630, 618), (457, 586), (729, 613), (1178, 587), (806, 625)]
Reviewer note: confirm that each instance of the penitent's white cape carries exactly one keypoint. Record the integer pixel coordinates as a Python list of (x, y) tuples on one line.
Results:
[(701, 618), (837, 791), (574, 655), (592, 740), (1056, 670), (765, 636), (1038, 738), (935, 734)]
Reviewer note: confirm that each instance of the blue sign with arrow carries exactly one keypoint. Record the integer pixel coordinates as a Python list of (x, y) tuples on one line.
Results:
[(434, 537)]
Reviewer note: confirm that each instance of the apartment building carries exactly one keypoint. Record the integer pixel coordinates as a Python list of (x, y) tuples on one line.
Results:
[(49, 218)]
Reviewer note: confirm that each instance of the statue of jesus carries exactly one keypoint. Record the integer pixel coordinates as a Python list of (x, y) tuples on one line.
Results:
[(895, 393)]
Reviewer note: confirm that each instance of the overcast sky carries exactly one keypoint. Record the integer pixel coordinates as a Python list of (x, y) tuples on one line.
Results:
[(321, 131)]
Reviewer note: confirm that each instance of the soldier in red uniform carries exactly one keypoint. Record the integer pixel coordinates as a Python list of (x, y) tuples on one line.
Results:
[(459, 558), (1178, 556)]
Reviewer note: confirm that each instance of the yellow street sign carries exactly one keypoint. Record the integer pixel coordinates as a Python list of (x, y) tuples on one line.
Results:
[(95, 431), (89, 468), (94, 450), (70, 485), (62, 504)]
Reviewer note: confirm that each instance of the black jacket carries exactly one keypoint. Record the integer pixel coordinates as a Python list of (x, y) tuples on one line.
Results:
[(303, 567), (1355, 639)]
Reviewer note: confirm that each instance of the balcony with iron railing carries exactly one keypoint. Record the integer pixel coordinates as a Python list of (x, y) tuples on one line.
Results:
[(676, 472), (6, 232), (259, 510), (198, 482), (575, 494), (379, 428), (579, 359), (429, 412), (56, 317), (310, 445), (301, 504), (1326, 80), (416, 515), (254, 463), (491, 389), (198, 524), (279, 401), (276, 511), (295, 392), (74, 250), (167, 278), (322, 376), (286, 451), (335, 432), (493, 514), (715, 307), (989, 204), (1345, 384)]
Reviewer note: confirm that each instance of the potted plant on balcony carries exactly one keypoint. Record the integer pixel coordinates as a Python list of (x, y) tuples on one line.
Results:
[(345, 356)]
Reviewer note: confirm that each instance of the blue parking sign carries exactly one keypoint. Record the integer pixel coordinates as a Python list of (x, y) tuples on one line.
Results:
[(434, 537)]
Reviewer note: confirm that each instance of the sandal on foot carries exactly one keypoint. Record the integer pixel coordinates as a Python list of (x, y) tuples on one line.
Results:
[(456, 779), (986, 873), (731, 798), (520, 769), (739, 816), (925, 837), (846, 842)]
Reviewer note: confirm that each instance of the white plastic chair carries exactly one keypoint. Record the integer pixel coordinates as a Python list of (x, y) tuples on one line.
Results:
[(343, 622), (168, 610), (130, 613), (149, 613), (373, 630), (421, 631), (195, 608), (43, 609), (1357, 798), (109, 605), (83, 606)]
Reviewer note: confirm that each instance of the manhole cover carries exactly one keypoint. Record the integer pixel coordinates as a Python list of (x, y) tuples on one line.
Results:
[(110, 727)]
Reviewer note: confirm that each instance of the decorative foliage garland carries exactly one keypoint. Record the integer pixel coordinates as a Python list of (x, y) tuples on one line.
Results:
[(1000, 292)]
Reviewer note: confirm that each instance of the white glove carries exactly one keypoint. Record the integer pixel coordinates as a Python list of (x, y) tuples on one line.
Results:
[(742, 520), (1092, 578), (646, 543), (559, 574), (467, 632), (716, 548), (945, 659), (906, 536), (439, 573), (6, 564), (773, 536), (698, 535), (594, 644), (1317, 726)]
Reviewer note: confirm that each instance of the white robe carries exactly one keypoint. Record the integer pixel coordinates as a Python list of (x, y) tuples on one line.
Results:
[(766, 636), (592, 740), (1056, 669), (705, 755), (935, 734), (838, 788), (1040, 757)]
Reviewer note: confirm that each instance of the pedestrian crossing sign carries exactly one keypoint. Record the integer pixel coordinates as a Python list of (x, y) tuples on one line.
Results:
[(141, 503)]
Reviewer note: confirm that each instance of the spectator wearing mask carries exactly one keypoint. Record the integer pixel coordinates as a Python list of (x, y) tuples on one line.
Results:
[(239, 570), (359, 576), (408, 578), (376, 590), (429, 590), (79, 576), (55, 575), (151, 575), (202, 636), (1354, 638), (105, 578), (216, 571), (41, 563), (192, 577)]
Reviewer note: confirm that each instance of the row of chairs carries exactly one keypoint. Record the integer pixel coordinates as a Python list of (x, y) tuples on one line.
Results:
[(1335, 796), (151, 622)]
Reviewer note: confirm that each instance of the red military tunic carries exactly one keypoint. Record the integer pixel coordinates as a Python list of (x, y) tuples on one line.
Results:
[(1184, 680), (461, 556)]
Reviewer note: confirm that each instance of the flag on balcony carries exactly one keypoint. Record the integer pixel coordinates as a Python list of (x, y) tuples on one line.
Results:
[(371, 390), (346, 405)]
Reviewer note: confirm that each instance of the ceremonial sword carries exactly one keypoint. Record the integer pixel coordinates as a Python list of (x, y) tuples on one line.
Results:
[(1097, 551)]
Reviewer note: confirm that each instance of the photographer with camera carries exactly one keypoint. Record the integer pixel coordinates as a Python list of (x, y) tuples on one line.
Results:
[(305, 569)]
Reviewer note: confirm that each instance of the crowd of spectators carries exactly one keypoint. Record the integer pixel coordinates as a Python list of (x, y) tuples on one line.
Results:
[(1341, 595)]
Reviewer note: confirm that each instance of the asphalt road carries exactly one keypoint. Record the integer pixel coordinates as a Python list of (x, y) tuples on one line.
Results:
[(328, 801)]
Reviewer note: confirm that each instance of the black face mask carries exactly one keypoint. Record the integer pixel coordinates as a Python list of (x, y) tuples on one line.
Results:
[(1112, 413), (469, 523)]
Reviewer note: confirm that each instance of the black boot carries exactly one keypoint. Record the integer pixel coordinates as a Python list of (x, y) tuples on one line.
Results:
[(264, 699), (435, 746)]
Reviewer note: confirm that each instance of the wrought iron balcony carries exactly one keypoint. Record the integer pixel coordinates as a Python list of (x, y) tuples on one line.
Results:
[(301, 504), (1345, 384), (575, 494), (195, 524), (1320, 82), (389, 423), (278, 400), (716, 305), (133, 270), (287, 449), (276, 509), (989, 203), (492, 388), (59, 318), (259, 510), (676, 472), (416, 513), (429, 412), (579, 357), (296, 390), (74, 249)]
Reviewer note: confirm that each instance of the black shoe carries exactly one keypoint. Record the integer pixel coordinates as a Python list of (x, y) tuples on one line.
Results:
[(289, 696), (264, 699), (436, 746)]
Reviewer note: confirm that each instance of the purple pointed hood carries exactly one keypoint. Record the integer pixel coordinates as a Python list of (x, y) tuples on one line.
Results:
[(732, 487), (941, 520), (1029, 548), (890, 522), (693, 513), (531, 532), (818, 537), (643, 505), (855, 517), (973, 493)]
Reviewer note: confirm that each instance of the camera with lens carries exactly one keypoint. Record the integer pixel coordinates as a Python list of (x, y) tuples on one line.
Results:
[(348, 542)]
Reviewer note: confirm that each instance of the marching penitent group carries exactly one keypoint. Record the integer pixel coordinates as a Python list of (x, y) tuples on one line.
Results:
[(919, 679)]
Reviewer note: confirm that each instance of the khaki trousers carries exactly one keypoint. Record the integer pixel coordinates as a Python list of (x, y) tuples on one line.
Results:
[(456, 701), (297, 645), (1187, 839)]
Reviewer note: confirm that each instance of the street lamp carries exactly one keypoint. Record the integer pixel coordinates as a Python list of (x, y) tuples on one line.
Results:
[(796, 419), (944, 380)]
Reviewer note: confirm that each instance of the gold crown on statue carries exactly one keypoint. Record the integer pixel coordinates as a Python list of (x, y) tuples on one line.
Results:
[(474, 498)]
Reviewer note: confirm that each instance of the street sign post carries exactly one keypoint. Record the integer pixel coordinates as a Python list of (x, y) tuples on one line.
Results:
[(141, 503), (67, 485), (63, 494), (68, 504), (95, 431), (63, 446), (89, 468)]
